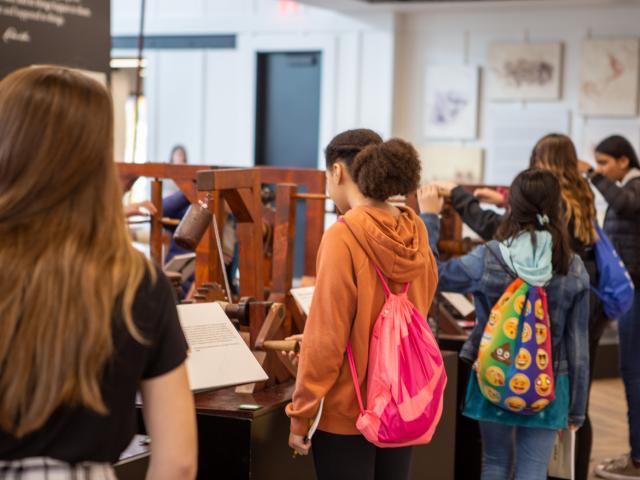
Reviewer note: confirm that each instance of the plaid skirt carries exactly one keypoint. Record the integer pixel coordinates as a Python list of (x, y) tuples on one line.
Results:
[(42, 468)]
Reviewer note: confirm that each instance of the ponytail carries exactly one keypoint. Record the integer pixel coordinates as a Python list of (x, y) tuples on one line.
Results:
[(535, 203)]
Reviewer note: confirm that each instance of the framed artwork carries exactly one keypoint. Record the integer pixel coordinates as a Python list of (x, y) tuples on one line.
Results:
[(609, 84), (457, 164), (451, 102), (525, 71)]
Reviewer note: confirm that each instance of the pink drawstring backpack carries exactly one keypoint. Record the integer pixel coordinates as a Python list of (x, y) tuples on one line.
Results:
[(405, 376)]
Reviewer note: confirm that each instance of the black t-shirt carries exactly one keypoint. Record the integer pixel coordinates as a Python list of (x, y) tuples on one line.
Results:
[(77, 434)]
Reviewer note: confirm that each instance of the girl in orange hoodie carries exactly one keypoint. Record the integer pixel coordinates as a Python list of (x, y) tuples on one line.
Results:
[(362, 173)]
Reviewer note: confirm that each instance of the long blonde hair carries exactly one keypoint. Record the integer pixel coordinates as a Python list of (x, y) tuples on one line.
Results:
[(65, 254), (556, 152)]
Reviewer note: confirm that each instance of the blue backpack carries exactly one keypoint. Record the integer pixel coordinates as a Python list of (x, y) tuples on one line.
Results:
[(615, 287)]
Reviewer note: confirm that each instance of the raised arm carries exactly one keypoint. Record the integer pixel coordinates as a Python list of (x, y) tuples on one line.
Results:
[(624, 200), (483, 222), (460, 274)]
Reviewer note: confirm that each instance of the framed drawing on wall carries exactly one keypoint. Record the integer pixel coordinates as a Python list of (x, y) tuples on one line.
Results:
[(525, 71), (451, 102), (447, 162), (609, 84)]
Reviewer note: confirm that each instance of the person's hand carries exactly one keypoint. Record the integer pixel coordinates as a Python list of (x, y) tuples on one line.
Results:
[(140, 208), (298, 444), (293, 356), (584, 167), (444, 187), (573, 427), (488, 195), (429, 200), (307, 281)]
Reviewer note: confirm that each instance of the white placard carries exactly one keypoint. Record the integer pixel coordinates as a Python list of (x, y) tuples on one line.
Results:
[(184, 264), (562, 462), (460, 303), (303, 296), (218, 356)]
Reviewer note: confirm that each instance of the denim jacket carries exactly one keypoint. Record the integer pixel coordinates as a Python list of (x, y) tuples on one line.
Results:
[(483, 274)]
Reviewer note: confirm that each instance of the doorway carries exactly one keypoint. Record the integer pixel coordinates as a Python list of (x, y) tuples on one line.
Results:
[(288, 120), (288, 109)]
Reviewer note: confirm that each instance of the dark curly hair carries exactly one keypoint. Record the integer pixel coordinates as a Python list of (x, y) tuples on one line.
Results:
[(380, 169)]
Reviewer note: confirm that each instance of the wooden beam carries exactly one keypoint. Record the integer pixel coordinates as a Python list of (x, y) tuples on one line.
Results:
[(284, 240), (155, 241), (226, 179)]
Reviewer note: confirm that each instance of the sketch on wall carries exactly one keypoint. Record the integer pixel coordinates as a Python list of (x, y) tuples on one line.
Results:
[(451, 102), (457, 164), (609, 84), (525, 71)]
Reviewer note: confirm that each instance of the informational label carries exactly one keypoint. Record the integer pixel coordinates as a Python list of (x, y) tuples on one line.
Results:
[(303, 296), (74, 33), (460, 303), (218, 357)]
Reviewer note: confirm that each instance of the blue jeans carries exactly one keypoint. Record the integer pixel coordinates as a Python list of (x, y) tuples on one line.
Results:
[(629, 336), (523, 449)]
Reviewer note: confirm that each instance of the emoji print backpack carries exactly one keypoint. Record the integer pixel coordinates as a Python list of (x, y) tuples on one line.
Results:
[(514, 365)]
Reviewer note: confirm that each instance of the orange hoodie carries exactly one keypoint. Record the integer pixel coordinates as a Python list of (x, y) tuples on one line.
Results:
[(347, 300)]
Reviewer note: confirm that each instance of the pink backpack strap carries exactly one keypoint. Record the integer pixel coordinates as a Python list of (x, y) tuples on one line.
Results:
[(354, 376), (385, 286), (387, 290)]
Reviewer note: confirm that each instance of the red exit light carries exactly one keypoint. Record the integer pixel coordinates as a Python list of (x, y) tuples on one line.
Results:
[(288, 7)]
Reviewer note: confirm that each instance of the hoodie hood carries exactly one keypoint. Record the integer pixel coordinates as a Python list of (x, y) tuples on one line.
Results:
[(533, 264), (398, 246)]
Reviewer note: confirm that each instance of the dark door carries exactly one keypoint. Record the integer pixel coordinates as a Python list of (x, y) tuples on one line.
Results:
[(288, 120), (288, 109)]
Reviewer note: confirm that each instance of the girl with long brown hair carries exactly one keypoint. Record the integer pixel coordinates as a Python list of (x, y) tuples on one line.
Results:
[(85, 319)]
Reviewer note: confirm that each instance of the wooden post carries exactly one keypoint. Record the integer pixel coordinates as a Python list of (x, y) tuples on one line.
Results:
[(315, 224), (156, 222), (283, 241), (240, 188), (311, 181)]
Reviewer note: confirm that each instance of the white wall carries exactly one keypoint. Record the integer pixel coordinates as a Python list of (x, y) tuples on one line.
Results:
[(205, 99), (457, 36)]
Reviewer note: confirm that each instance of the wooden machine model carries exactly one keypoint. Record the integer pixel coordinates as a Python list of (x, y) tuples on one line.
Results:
[(264, 309)]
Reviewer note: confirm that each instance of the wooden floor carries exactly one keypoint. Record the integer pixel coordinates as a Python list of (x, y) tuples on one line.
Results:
[(608, 411)]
